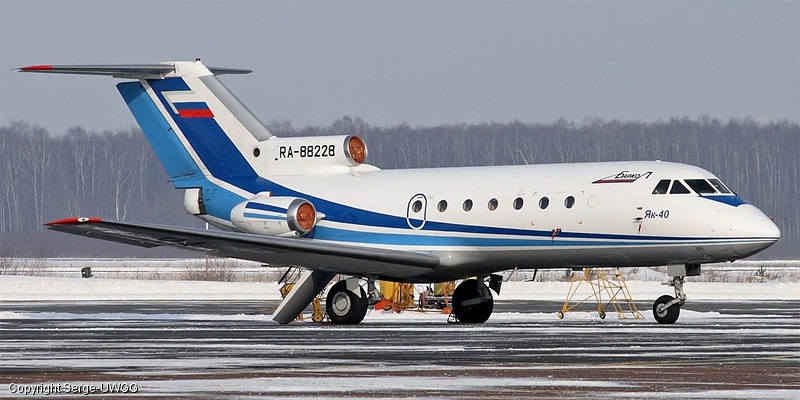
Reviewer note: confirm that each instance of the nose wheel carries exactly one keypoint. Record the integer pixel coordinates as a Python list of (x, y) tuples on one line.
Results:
[(666, 308)]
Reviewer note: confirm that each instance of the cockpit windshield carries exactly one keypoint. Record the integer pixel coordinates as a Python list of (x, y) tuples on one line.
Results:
[(720, 186), (662, 187), (700, 186), (678, 188)]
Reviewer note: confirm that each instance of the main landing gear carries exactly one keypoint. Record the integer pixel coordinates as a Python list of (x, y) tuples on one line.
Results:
[(472, 300), (347, 302), (666, 308)]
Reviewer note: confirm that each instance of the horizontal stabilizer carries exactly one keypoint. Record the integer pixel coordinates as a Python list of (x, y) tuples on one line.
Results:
[(132, 71)]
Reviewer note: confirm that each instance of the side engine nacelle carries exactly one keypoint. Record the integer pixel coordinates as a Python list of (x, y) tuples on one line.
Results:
[(275, 216), (309, 154)]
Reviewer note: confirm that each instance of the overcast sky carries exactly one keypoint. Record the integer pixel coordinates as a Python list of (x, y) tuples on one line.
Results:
[(420, 62)]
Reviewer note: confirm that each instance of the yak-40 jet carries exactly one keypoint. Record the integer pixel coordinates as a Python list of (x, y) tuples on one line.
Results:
[(313, 203)]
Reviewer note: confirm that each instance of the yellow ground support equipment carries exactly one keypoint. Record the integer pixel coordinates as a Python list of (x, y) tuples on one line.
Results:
[(437, 297), (396, 296), (289, 279), (605, 283)]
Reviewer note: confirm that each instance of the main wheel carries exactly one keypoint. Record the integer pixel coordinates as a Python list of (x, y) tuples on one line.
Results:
[(663, 314), (468, 304), (344, 306)]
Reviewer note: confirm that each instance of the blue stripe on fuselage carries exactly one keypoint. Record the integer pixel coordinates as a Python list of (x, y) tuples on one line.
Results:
[(439, 240), (734, 201), (336, 212), (224, 161)]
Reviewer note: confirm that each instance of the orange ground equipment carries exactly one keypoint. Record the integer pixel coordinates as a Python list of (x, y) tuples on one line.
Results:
[(396, 296)]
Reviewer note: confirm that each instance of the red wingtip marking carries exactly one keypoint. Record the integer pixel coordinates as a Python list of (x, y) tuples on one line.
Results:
[(73, 221), (36, 68)]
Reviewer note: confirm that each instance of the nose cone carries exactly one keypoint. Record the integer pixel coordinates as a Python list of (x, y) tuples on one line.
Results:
[(754, 230)]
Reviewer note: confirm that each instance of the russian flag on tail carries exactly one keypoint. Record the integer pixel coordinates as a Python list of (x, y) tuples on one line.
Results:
[(198, 109)]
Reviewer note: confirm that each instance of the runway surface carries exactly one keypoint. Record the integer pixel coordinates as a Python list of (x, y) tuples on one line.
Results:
[(229, 349)]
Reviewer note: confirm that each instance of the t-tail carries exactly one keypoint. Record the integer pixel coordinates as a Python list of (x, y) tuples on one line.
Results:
[(199, 129)]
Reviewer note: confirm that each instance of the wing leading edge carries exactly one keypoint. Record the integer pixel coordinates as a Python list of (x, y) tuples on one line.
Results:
[(328, 257)]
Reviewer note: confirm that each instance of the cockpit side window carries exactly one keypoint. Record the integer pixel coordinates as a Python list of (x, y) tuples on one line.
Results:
[(678, 188), (700, 186), (719, 186), (662, 187)]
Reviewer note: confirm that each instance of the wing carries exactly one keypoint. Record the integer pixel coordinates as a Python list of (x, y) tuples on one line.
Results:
[(307, 253)]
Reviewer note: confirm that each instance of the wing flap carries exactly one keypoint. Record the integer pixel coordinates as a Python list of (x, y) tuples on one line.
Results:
[(306, 253)]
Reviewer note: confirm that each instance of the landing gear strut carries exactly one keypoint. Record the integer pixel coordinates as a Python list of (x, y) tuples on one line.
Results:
[(472, 302), (347, 302), (666, 308)]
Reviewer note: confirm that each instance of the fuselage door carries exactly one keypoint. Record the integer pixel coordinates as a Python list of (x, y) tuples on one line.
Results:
[(416, 211)]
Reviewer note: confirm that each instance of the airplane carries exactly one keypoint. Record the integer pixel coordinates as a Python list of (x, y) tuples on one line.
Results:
[(313, 203)]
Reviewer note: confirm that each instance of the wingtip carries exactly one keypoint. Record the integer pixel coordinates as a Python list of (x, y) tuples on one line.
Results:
[(33, 68), (73, 221)]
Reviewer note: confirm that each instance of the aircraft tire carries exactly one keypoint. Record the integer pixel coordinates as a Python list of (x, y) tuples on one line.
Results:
[(668, 315), (472, 313), (345, 307)]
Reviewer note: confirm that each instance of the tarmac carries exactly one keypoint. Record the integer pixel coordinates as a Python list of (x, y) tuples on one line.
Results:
[(232, 350)]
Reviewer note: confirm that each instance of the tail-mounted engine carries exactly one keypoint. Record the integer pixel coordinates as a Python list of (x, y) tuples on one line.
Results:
[(275, 216), (302, 155)]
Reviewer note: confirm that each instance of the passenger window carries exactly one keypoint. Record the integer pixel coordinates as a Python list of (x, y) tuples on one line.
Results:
[(442, 205), (417, 206), (544, 202), (678, 188), (662, 187), (467, 205), (518, 202), (719, 186), (492, 204), (569, 202), (700, 186)]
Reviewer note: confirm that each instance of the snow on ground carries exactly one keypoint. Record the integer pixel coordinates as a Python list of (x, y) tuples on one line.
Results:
[(249, 271), (28, 288)]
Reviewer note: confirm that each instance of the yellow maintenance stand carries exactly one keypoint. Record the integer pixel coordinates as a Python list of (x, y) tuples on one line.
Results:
[(396, 296), (289, 278), (400, 296), (605, 283)]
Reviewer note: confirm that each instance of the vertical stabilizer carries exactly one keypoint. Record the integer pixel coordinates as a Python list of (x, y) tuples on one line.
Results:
[(195, 125)]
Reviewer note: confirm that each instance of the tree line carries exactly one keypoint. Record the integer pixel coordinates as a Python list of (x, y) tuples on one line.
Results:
[(116, 175)]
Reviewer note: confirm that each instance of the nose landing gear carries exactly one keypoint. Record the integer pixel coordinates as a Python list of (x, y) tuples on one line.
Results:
[(667, 309)]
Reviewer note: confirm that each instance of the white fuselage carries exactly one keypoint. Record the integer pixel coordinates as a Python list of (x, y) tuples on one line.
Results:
[(613, 218)]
